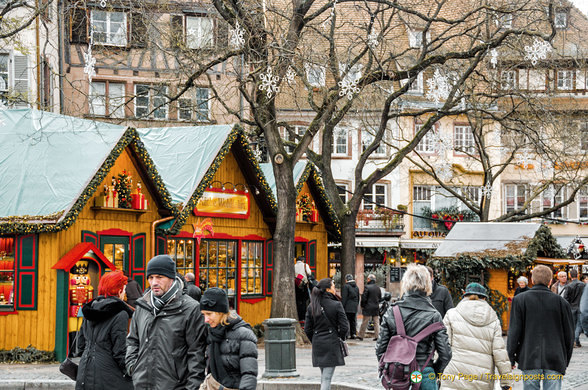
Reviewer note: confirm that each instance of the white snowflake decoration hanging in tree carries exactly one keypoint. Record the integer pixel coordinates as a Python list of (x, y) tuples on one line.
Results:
[(494, 57), (525, 160), (373, 40), (290, 75), (486, 190), (269, 83), (237, 33), (538, 51), (442, 143), (103, 3), (439, 87), (444, 171), (89, 63), (325, 24), (348, 87)]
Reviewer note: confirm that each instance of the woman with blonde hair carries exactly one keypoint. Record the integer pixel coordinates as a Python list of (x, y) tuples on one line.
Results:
[(417, 313), (232, 345), (475, 336)]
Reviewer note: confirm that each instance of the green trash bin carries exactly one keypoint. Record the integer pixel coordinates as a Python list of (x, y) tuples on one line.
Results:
[(280, 348)]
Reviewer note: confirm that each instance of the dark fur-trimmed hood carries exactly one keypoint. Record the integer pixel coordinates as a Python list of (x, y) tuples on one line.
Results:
[(103, 308)]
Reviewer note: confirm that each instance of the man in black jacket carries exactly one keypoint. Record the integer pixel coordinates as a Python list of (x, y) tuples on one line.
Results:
[(350, 301), (541, 333), (370, 304), (573, 296), (191, 288), (167, 336), (440, 296)]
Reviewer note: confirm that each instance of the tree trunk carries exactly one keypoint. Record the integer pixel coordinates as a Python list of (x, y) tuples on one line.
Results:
[(347, 245), (283, 302)]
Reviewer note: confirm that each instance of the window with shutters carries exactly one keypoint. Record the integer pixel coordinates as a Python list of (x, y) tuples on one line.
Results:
[(107, 99), (195, 105), (7, 274), (14, 79), (151, 101), (108, 28)]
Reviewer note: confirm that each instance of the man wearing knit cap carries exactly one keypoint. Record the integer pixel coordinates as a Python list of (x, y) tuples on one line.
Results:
[(167, 336)]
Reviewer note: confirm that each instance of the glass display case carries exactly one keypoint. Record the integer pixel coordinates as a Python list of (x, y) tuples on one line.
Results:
[(251, 268), (218, 266), (7, 273), (182, 251)]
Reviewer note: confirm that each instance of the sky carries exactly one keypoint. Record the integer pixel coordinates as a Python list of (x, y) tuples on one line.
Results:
[(582, 5)]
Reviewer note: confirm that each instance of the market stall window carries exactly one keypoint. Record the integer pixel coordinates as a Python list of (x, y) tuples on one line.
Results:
[(116, 250), (218, 266), (182, 251), (251, 268), (7, 267)]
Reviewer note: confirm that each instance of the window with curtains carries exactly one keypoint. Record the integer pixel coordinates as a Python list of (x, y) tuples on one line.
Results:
[(553, 196), (109, 28), (251, 267), (199, 32), (151, 101), (515, 196), (107, 99)]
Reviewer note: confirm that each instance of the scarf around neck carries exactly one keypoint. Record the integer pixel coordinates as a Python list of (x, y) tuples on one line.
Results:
[(216, 336), (159, 302)]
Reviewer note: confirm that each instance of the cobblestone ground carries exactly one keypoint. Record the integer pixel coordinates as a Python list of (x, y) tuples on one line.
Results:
[(360, 370)]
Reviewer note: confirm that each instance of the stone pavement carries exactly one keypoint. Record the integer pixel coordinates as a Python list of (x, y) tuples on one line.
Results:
[(360, 372)]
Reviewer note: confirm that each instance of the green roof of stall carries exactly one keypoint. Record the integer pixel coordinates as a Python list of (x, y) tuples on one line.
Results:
[(268, 171), (47, 159), (184, 154)]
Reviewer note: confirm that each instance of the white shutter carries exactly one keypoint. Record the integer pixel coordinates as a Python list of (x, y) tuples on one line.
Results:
[(21, 79)]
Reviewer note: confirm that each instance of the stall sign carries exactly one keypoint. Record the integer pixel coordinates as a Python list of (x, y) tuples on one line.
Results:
[(427, 234), (223, 203)]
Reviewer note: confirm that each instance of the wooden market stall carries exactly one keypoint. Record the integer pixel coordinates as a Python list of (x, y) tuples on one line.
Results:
[(495, 255), (79, 197), (224, 227)]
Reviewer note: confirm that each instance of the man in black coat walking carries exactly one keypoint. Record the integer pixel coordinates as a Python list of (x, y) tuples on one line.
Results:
[(440, 297), (370, 304), (350, 301), (192, 289), (573, 296), (541, 333)]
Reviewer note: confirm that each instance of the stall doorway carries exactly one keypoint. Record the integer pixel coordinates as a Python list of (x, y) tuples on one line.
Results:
[(218, 267), (116, 249)]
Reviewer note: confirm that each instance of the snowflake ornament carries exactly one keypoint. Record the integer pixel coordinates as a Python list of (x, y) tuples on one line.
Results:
[(524, 160), (269, 83), (538, 51), (444, 171), (236, 34), (348, 87), (494, 57), (103, 3), (486, 190), (439, 87), (89, 63), (442, 143), (258, 155), (373, 40), (290, 75)]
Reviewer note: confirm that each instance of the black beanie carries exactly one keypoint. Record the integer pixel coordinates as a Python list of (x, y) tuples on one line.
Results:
[(215, 299), (162, 265)]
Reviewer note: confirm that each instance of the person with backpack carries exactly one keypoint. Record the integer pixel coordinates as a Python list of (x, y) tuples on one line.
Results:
[(326, 325), (416, 317), (474, 319)]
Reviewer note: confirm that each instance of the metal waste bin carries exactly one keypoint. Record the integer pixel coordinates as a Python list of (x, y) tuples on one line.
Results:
[(280, 348)]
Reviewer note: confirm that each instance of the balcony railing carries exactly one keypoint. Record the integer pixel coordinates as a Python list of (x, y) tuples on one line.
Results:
[(381, 222)]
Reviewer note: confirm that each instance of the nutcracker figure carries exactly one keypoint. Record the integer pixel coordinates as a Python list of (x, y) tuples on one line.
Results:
[(80, 292)]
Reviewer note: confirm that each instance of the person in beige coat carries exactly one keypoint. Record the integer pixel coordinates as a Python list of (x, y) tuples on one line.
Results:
[(475, 336)]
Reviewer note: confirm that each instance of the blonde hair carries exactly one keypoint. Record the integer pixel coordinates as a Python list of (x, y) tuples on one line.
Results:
[(473, 297), (225, 317), (541, 274), (416, 277)]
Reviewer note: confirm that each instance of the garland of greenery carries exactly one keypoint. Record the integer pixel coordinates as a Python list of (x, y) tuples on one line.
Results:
[(22, 225), (236, 134), (324, 199), (446, 216), (455, 270), (29, 354)]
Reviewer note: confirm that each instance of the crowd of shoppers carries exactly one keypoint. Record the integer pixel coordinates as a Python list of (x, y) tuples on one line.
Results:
[(174, 337)]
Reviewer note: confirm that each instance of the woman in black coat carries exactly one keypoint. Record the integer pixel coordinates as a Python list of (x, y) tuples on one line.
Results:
[(325, 324), (232, 345), (102, 338)]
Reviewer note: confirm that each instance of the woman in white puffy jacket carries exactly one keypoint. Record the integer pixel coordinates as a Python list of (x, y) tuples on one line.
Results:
[(475, 336)]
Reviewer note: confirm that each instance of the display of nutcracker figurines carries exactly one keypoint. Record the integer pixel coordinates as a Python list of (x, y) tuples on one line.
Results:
[(80, 292)]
